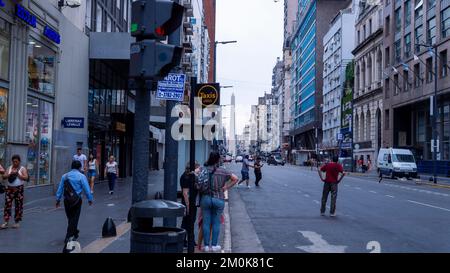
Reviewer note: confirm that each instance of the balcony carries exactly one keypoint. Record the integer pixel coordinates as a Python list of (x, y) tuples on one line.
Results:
[(188, 27), (188, 5), (187, 44)]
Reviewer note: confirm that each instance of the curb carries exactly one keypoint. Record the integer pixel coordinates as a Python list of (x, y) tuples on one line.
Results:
[(227, 230), (433, 185)]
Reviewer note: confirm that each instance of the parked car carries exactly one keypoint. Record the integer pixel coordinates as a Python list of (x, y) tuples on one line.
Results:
[(276, 160), (239, 159), (397, 163)]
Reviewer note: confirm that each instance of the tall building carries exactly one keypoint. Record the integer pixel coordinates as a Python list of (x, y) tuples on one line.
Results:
[(210, 19), (368, 95), (277, 105), (232, 139), (307, 70), (409, 78), (338, 42)]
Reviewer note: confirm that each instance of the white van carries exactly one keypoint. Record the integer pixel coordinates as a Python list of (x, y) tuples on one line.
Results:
[(397, 163)]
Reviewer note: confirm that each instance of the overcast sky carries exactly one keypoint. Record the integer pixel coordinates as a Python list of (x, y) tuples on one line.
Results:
[(257, 25)]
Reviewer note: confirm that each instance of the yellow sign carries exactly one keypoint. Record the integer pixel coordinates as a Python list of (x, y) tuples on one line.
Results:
[(209, 94)]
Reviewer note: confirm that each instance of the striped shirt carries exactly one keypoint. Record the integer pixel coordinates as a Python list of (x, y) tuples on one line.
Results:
[(219, 179)]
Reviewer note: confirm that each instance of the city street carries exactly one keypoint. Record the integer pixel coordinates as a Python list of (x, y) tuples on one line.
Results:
[(399, 215)]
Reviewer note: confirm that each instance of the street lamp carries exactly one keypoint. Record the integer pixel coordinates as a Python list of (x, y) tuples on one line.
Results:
[(215, 55), (435, 140)]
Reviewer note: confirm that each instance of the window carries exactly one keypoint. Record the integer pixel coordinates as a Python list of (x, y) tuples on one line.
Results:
[(89, 13), (396, 86), (108, 24), (418, 6), (98, 19), (397, 51), (419, 35), (429, 63), (5, 45), (387, 57), (370, 26), (365, 35), (398, 20), (41, 68), (387, 25), (431, 3), (445, 25), (417, 78), (387, 88), (407, 45), (431, 31), (118, 4), (443, 64), (386, 119), (359, 36), (407, 13), (405, 80)]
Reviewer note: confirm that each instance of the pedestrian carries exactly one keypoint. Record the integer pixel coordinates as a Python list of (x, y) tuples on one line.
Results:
[(258, 174), (16, 176), (112, 172), (245, 172), (92, 171), (189, 191), (213, 181), (79, 156), (72, 185), (331, 182)]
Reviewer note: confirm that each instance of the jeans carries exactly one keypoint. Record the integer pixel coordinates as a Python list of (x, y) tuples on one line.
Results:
[(327, 188), (212, 209), (112, 181)]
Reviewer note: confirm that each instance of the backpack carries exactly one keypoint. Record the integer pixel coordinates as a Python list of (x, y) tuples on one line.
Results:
[(71, 198), (204, 182)]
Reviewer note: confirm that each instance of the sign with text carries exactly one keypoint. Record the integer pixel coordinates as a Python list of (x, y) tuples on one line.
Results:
[(208, 94), (73, 123), (52, 34), (26, 15), (172, 87)]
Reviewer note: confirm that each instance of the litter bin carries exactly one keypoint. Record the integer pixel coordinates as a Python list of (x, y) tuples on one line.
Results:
[(145, 238)]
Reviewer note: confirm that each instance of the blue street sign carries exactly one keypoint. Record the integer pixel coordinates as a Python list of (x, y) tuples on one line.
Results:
[(52, 34), (73, 123), (172, 87), (2, 4), (26, 16)]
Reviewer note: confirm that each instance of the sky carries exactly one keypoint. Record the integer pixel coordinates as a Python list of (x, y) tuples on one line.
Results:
[(257, 26)]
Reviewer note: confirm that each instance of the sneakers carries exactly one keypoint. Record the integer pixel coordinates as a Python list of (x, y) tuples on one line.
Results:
[(4, 226), (111, 192), (333, 215), (216, 248), (322, 214), (207, 249), (16, 225)]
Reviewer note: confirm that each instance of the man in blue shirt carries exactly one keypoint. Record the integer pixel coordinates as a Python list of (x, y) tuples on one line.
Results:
[(79, 183)]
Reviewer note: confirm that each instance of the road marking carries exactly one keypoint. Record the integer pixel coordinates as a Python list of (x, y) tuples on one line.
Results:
[(317, 202), (373, 192), (319, 245), (110, 205), (427, 205), (358, 188), (101, 244), (306, 195), (390, 196)]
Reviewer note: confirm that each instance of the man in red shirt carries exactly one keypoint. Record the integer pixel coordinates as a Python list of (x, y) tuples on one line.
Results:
[(331, 180)]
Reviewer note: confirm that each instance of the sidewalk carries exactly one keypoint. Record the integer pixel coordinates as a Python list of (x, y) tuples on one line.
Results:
[(43, 228)]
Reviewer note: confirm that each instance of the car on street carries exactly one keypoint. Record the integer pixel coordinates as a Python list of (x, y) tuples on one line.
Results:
[(239, 158), (228, 159), (276, 160), (397, 163)]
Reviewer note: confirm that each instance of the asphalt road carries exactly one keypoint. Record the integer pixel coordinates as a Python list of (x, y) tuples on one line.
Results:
[(392, 216)]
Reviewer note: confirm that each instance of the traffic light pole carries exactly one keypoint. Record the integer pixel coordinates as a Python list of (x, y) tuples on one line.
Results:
[(192, 207), (171, 145)]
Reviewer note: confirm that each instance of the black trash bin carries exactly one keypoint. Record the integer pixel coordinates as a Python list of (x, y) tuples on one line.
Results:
[(145, 238)]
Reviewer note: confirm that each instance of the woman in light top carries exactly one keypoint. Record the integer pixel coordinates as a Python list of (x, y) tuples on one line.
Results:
[(112, 172), (92, 171)]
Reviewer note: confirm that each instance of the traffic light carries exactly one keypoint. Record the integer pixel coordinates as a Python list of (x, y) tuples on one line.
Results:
[(155, 19), (152, 21), (151, 59)]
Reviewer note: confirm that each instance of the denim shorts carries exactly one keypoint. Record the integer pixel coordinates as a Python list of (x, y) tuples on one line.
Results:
[(245, 175), (92, 173)]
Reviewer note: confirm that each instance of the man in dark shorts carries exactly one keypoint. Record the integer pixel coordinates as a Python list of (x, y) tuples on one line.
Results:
[(331, 182)]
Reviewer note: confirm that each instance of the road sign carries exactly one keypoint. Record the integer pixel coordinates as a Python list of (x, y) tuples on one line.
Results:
[(340, 136), (73, 123), (209, 94), (172, 87)]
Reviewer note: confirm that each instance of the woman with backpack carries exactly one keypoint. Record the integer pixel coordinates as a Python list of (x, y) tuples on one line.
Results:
[(212, 183), (17, 176)]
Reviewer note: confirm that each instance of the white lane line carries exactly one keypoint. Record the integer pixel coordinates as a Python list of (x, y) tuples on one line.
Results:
[(427, 205), (390, 196), (306, 195), (317, 202), (373, 192), (358, 188)]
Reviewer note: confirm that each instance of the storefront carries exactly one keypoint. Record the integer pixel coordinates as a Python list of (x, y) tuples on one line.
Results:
[(5, 45)]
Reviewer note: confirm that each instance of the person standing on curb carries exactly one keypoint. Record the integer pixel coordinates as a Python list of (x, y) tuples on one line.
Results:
[(79, 156), (331, 182), (71, 187), (187, 184), (112, 172), (212, 183), (245, 171)]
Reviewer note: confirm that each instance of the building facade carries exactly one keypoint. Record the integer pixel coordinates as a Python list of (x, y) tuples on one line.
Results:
[(368, 94), (411, 28), (210, 21), (338, 43), (307, 70), (277, 106)]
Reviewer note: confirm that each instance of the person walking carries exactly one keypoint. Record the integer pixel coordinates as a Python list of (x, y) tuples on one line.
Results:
[(213, 181), (112, 172), (72, 185), (92, 171), (258, 174), (245, 172), (331, 182), (79, 156), (17, 176), (189, 191)]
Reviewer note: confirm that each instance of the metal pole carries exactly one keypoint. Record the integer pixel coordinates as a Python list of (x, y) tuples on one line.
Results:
[(215, 61), (435, 112), (171, 145), (141, 144), (192, 207)]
